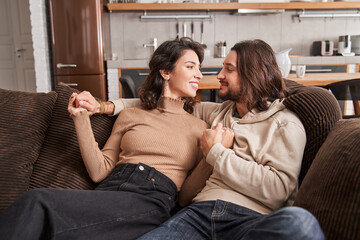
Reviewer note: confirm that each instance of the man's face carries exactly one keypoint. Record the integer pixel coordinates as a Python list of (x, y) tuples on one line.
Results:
[(229, 79)]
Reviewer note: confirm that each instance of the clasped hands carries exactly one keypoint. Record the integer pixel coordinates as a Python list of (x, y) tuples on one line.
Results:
[(83, 102), (217, 134)]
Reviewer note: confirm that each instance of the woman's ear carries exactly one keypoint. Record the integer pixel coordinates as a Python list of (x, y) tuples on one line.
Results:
[(165, 74)]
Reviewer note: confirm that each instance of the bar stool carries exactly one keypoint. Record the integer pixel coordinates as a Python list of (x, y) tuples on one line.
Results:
[(347, 90)]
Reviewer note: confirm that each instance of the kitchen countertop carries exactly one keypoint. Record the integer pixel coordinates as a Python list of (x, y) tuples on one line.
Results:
[(322, 79), (310, 79)]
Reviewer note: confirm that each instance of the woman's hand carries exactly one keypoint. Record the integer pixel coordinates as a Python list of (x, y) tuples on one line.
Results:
[(73, 107)]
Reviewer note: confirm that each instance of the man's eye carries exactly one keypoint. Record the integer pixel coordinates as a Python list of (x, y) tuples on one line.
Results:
[(229, 70)]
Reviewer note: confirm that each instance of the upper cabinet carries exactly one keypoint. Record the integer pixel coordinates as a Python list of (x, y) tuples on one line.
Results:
[(231, 6)]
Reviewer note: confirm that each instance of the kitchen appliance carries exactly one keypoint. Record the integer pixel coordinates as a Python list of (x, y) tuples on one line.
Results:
[(80, 44), (355, 44), (344, 46), (323, 48)]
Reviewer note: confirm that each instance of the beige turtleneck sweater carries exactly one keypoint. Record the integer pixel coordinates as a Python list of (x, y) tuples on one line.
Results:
[(166, 138)]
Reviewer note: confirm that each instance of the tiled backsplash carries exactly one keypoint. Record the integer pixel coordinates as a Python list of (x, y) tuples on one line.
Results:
[(281, 31)]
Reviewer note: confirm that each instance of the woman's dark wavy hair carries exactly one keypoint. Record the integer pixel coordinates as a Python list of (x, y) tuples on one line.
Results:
[(165, 58), (260, 75)]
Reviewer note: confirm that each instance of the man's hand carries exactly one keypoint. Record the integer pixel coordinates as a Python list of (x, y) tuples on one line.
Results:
[(227, 138), (87, 101)]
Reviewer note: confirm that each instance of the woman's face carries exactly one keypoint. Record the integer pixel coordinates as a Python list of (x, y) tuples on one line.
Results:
[(183, 81)]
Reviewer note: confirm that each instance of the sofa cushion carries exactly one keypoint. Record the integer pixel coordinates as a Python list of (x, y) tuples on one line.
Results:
[(318, 110), (24, 119), (331, 188), (60, 164)]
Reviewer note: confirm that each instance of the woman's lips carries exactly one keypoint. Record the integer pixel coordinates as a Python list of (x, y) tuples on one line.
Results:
[(195, 85)]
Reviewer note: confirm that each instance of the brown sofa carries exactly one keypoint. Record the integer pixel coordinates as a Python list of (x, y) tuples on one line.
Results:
[(39, 150)]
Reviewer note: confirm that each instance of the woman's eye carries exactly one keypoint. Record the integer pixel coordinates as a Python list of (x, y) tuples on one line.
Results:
[(190, 67)]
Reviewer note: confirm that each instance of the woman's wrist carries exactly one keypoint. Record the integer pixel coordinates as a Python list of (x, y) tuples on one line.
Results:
[(108, 108), (101, 108)]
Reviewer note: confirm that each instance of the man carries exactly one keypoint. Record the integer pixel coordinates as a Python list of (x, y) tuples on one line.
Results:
[(249, 185)]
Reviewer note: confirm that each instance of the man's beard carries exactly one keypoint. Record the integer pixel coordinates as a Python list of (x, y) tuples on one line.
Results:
[(231, 94)]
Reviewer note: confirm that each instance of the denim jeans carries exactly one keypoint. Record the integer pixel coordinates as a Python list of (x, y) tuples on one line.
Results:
[(133, 200), (225, 220)]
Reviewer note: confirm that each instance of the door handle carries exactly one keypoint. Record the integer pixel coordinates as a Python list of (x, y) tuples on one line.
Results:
[(61, 65)]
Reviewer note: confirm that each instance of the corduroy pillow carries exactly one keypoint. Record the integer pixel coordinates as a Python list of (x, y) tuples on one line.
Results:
[(318, 111), (331, 188), (24, 119), (60, 164)]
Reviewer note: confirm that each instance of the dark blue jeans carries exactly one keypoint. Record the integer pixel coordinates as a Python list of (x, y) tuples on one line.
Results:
[(133, 200), (224, 220)]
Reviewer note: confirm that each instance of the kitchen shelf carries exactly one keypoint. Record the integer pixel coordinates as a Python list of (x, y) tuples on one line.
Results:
[(230, 6)]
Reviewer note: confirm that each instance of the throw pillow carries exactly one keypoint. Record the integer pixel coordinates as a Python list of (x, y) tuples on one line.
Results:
[(60, 163), (331, 188), (24, 119), (318, 110)]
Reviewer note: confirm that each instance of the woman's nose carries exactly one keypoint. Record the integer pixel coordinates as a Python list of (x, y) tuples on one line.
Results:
[(199, 74)]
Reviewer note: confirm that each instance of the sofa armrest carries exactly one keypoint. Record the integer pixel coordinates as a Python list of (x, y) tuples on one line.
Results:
[(331, 188)]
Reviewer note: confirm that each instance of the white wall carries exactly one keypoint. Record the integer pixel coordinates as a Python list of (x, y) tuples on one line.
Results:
[(40, 44)]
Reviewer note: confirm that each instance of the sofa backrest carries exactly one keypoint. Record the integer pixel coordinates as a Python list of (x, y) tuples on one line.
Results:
[(60, 164), (38, 143), (318, 110), (24, 119)]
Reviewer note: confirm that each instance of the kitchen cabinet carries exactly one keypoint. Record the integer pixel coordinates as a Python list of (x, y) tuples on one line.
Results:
[(80, 44), (315, 68), (230, 6)]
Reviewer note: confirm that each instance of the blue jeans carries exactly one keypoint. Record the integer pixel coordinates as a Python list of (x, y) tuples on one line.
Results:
[(133, 200), (225, 220)]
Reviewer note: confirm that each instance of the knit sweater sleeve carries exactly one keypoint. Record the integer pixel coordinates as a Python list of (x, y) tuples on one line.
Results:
[(122, 103), (98, 163), (270, 175)]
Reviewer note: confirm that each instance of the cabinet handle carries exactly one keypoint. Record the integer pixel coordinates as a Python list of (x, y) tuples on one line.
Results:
[(61, 65), (143, 74), (203, 73), (319, 70), (71, 84), (210, 73)]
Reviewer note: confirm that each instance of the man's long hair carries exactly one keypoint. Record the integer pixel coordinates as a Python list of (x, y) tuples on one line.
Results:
[(260, 76)]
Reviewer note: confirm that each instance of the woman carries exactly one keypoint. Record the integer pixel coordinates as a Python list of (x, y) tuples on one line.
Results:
[(140, 169)]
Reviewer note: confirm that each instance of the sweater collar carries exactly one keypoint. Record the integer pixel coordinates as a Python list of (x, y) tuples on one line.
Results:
[(258, 116), (171, 105)]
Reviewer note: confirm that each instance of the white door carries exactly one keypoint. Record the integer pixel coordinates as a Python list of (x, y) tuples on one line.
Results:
[(16, 51)]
